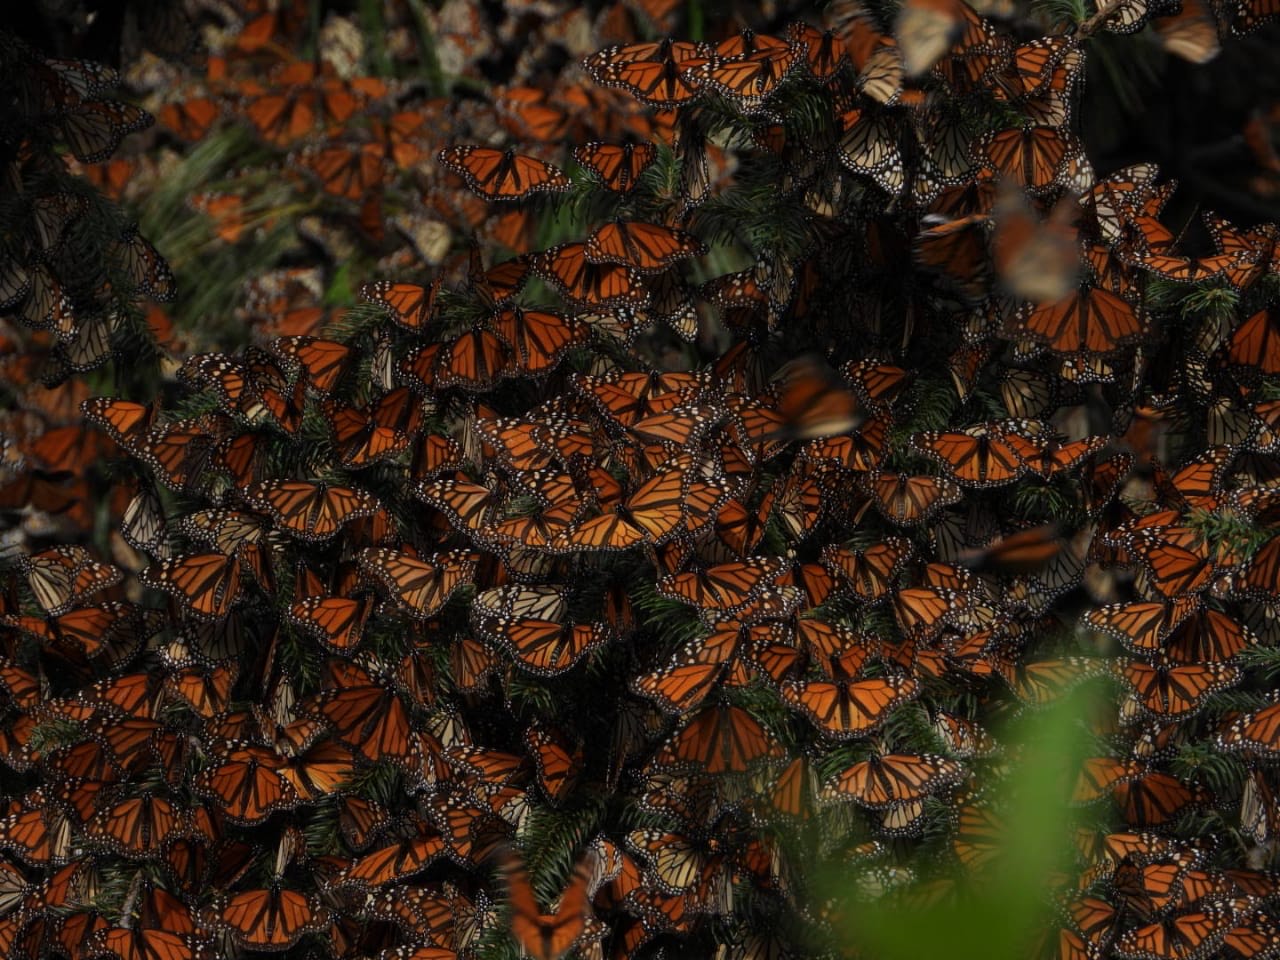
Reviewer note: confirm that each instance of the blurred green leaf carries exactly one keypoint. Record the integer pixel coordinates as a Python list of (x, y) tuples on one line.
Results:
[(1003, 915)]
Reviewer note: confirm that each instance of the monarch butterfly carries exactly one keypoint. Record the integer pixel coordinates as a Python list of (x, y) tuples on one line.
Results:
[(1262, 575), (271, 919), (225, 210), (740, 529), (1169, 692), (136, 828), (544, 647), (207, 583), (926, 30), (538, 339), (323, 362), (1248, 15), (352, 172), (183, 451), (547, 936), (535, 530), (957, 251), (588, 284), (1191, 33), (1115, 200), (1089, 319), (250, 386), (106, 628), (1048, 458), (822, 53), (532, 446), (1256, 343), (236, 534), (871, 571), (661, 74), (1026, 551), (1186, 269), (467, 506), (799, 501), (336, 621), (311, 511), (645, 247), (290, 110), (190, 119), (977, 457), (1142, 625), (419, 587), (1033, 64), (366, 435), (1035, 259), (1155, 799), (206, 692), (869, 145), (476, 360), (22, 688), (527, 112), (471, 832), (1256, 732), (892, 779), (1031, 157), (679, 864), (1259, 809), (53, 84), (1042, 681), (963, 737), (658, 509), (557, 766), (483, 769), (910, 500), (502, 175), (395, 861), (747, 68), (726, 588), (1196, 934), (619, 167), (248, 783), (62, 577), (683, 682), (1094, 919), (51, 216), (94, 128), (722, 739), (142, 943), (498, 284), (813, 402), (1208, 636), (1175, 559), (625, 398), (364, 714), (143, 265), (846, 709), (1255, 248)]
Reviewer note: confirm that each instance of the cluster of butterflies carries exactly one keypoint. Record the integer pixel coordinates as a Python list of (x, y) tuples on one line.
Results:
[(60, 317), (345, 162), (677, 582)]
